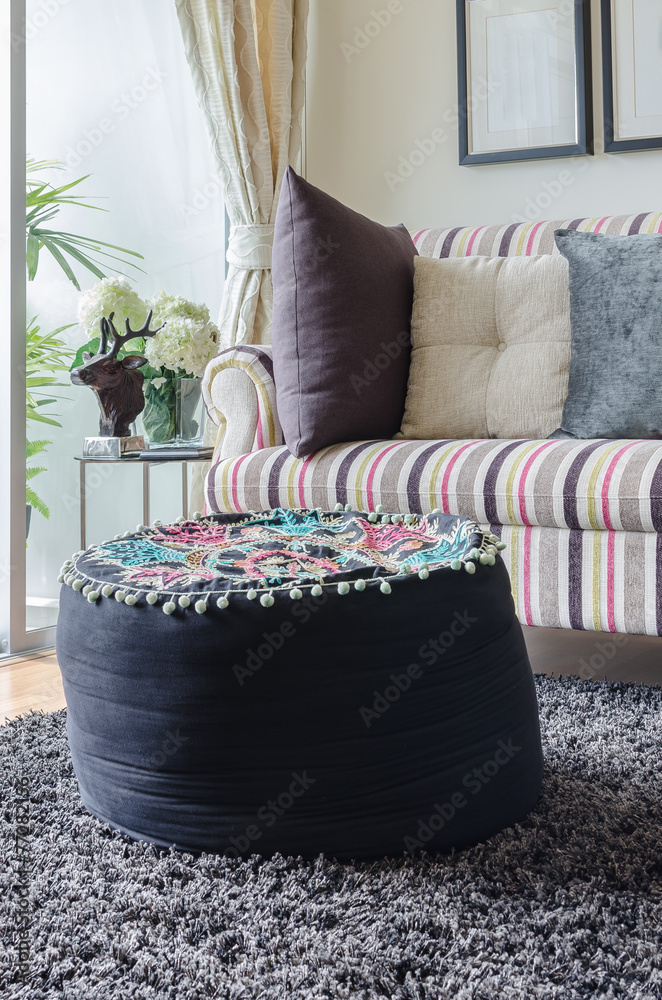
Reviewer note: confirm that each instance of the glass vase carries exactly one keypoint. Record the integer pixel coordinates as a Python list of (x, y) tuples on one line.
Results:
[(174, 413)]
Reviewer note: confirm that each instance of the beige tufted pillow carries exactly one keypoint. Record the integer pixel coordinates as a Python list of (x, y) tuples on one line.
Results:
[(491, 347)]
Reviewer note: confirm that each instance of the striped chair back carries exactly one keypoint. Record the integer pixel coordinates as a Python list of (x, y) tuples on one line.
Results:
[(520, 239)]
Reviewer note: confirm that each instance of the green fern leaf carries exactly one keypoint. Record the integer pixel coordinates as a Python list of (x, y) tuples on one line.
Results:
[(36, 502), (33, 448)]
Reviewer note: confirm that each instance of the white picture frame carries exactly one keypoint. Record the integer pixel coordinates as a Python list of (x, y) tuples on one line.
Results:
[(632, 74), (523, 79)]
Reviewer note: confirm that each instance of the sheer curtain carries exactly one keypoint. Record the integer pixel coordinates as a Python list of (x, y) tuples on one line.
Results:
[(110, 94), (247, 60)]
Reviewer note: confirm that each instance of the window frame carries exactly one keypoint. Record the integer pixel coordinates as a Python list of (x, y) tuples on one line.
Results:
[(14, 638)]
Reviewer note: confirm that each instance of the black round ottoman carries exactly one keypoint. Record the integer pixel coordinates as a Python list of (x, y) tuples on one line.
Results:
[(299, 681)]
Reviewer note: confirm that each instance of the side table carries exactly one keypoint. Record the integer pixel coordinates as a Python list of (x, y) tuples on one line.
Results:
[(146, 463)]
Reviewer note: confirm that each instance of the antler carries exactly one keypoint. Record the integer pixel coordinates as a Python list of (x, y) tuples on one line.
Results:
[(144, 331), (120, 340), (105, 333)]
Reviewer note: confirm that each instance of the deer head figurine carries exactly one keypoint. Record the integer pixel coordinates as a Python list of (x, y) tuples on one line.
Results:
[(117, 383)]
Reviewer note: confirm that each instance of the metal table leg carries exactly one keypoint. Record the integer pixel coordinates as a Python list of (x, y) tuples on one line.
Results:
[(83, 532), (184, 489), (146, 493)]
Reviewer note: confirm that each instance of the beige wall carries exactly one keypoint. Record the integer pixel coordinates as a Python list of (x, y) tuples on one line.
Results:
[(369, 106)]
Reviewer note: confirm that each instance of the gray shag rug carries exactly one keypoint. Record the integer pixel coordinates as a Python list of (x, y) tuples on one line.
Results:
[(567, 904)]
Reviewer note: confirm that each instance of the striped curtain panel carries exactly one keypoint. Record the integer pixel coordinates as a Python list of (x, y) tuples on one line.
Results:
[(247, 59)]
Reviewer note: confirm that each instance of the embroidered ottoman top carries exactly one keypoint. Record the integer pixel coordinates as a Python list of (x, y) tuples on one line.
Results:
[(222, 557)]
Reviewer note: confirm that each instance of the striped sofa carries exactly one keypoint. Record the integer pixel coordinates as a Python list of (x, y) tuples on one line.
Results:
[(582, 520)]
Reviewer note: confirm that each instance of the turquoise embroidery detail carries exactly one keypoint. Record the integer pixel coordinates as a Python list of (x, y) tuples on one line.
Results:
[(255, 553)]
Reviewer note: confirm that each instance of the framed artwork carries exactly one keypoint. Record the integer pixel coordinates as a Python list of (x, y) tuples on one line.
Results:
[(632, 74), (524, 79)]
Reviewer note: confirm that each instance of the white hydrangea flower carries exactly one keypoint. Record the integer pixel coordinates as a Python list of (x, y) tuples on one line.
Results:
[(107, 296), (189, 339)]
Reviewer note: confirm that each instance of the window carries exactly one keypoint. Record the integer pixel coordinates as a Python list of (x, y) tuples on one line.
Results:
[(109, 94)]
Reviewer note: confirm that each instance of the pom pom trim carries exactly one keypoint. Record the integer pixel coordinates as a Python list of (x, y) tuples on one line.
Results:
[(483, 555)]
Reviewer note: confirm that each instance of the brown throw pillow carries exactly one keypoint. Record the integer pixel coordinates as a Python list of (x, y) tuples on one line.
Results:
[(343, 291)]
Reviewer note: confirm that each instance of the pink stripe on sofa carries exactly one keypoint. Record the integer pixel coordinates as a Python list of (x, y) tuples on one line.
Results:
[(371, 475), (259, 436), (607, 480), (527, 576), (611, 621), (601, 224), (467, 252), (531, 238), (235, 476), (302, 476), (525, 471), (418, 235), (447, 475)]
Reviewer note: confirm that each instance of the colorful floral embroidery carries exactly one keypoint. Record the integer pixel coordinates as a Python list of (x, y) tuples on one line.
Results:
[(282, 548)]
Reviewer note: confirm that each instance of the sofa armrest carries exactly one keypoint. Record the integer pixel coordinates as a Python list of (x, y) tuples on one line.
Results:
[(240, 396)]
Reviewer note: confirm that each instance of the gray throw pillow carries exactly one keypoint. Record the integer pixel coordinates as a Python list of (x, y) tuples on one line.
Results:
[(343, 292), (615, 388)]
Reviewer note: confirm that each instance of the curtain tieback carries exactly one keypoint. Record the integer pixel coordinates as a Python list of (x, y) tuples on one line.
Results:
[(250, 246)]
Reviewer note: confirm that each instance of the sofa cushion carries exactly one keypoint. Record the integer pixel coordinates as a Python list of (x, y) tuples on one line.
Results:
[(490, 347), (524, 239), (598, 581), (560, 484), (343, 289), (616, 312)]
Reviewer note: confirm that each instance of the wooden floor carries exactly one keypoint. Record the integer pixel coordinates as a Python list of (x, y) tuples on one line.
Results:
[(596, 656), (33, 682)]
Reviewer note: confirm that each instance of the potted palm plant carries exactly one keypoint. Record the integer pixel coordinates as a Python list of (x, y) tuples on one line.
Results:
[(43, 203), (45, 354)]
